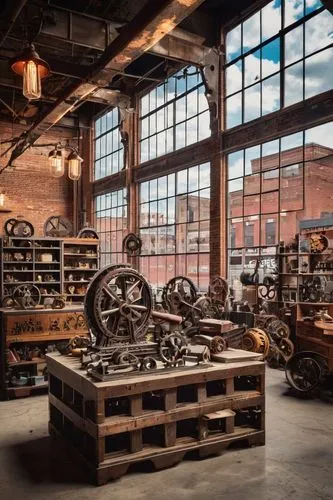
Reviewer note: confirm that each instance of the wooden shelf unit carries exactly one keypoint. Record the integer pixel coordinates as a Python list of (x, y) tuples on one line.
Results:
[(33, 271), (156, 417), (297, 268), (80, 260)]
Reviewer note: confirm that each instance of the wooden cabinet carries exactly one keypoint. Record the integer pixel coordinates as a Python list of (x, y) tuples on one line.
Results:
[(26, 337)]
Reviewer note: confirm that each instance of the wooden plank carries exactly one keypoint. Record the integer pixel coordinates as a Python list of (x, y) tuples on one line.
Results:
[(234, 355), (116, 425), (68, 368), (170, 399), (219, 414), (79, 422)]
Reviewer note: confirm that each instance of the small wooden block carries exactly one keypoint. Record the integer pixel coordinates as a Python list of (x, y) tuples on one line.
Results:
[(234, 355), (219, 414)]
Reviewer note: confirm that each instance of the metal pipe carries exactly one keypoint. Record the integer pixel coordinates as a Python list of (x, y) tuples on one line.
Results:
[(15, 15)]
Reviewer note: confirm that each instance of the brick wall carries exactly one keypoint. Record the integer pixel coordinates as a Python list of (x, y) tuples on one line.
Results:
[(29, 187)]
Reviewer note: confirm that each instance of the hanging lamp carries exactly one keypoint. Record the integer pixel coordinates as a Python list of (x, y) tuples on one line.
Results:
[(74, 165), (33, 69), (56, 162)]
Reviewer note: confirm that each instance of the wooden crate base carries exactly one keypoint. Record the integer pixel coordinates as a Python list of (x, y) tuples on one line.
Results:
[(114, 468)]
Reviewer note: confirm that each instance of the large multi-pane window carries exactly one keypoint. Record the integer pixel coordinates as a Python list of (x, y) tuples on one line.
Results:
[(109, 154), (174, 115), (111, 225), (279, 56), (174, 226), (271, 188)]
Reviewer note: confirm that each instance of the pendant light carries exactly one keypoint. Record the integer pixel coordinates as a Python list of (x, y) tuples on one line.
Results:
[(29, 65), (74, 166), (56, 162)]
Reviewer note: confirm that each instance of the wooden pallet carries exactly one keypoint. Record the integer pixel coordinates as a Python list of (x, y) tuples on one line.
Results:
[(155, 417)]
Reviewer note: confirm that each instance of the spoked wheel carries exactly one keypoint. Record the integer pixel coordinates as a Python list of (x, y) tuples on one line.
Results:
[(178, 295), (123, 305), (172, 348), (27, 295), (304, 371), (58, 226)]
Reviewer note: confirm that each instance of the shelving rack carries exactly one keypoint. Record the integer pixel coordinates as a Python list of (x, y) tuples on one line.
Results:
[(43, 262), (22, 263), (297, 268), (80, 260)]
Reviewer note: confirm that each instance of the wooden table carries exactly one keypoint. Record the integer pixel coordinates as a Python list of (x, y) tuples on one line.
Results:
[(155, 416)]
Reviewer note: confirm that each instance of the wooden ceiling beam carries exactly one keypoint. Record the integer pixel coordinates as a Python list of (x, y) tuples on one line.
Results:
[(152, 23)]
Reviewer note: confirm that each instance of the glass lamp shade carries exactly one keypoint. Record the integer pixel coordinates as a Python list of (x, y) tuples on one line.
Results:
[(33, 69), (74, 166), (56, 163), (2, 200)]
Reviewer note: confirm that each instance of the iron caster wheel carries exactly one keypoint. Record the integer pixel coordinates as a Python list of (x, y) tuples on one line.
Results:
[(305, 371), (148, 363)]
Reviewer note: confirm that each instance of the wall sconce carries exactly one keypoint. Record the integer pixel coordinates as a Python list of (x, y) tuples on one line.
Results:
[(74, 165), (2, 200), (56, 162), (32, 68)]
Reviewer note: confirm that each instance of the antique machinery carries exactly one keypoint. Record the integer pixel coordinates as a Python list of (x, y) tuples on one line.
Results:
[(118, 307)]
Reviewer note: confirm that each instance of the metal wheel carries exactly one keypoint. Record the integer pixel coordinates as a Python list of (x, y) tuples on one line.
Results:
[(278, 330), (304, 371), (22, 229), (122, 305), (178, 295), (148, 363), (8, 226), (286, 347), (27, 295), (218, 345), (256, 340), (172, 348), (89, 300), (132, 244), (218, 290), (58, 226), (88, 232)]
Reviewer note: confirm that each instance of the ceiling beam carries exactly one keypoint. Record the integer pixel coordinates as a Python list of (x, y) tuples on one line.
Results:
[(153, 22), (181, 46)]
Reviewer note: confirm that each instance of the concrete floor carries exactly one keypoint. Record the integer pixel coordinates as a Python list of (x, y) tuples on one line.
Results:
[(297, 461)]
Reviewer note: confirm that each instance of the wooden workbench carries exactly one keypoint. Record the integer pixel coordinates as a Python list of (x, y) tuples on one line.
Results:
[(157, 417)]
